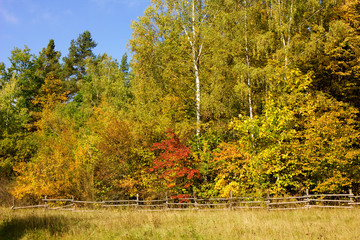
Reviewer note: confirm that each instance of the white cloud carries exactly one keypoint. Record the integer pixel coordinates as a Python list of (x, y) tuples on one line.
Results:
[(8, 16)]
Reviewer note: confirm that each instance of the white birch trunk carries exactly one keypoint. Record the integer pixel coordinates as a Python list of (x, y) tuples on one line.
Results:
[(289, 34), (196, 71), (286, 42), (248, 68), (196, 54)]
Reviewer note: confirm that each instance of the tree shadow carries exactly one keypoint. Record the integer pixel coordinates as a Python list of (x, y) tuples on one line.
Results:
[(16, 227)]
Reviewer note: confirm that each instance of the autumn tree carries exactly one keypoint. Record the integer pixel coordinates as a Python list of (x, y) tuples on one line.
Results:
[(168, 46), (338, 71), (231, 165), (262, 94), (304, 140), (106, 81), (53, 171), (62, 165), (174, 165)]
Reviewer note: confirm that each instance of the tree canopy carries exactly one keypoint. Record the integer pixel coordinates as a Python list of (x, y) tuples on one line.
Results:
[(218, 97)]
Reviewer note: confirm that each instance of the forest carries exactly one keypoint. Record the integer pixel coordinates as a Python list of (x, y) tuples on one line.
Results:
[(217, 96)]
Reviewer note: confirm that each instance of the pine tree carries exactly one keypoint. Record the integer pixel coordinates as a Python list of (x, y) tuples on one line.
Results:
[(48, 61), (75, 61), (124, 65)]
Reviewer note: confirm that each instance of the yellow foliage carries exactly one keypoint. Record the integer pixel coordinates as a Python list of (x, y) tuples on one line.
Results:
[(51, 93), (231, 164)]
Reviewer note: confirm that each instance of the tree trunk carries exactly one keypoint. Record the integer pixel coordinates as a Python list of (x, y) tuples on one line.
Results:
[(248, 67)]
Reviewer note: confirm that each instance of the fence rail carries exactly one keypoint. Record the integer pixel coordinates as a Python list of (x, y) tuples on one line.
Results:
[(346, 201)]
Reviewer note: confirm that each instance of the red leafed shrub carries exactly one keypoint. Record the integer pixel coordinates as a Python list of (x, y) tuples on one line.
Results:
[(173, 163), (182, 197)]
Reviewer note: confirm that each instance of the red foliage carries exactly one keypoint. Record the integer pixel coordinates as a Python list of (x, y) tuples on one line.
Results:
[(174, 163), (182, 197)]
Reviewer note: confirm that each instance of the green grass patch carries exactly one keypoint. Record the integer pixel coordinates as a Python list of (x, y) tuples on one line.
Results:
[(259, 224)]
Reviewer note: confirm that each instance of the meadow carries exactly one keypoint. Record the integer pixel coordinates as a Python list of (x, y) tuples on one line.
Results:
[(256, 224)]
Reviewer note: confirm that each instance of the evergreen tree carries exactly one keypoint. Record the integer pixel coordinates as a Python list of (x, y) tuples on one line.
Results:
[(75, 61), (48, 61), (124, 65)]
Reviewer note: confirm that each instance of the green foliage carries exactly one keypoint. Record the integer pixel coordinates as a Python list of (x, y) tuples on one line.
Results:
[(23, 69), (74, 63), (13, 123), (48, 61), (125, 68), (105, 83), (79, 50), (262, 94)]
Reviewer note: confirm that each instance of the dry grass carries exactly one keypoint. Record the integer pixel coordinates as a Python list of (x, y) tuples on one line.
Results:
[(310, 224)]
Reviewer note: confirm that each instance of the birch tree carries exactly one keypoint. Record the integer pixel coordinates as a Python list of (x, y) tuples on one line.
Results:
[(194, 38), (168, 46)]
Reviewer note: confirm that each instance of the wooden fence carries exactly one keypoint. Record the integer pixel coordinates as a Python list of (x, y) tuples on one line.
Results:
[(306, 201)]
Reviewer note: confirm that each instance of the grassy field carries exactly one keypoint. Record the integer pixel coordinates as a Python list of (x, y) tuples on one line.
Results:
[(260, 224)]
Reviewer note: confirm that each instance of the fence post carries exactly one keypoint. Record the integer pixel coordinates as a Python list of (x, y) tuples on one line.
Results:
[(231, 200), (307, 199), (72, 202), (268, 199), (195, 202), (137, 201), (351, 196), (13, 205), (166, 202), (46, 204)]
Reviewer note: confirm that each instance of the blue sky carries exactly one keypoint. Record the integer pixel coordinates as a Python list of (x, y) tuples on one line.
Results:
[(35, 22)]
